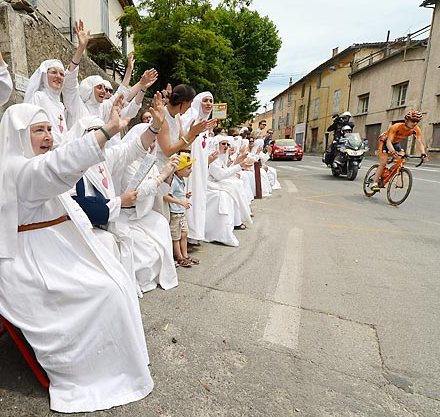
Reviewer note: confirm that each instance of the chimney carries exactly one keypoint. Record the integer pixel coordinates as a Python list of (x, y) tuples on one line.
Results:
[(335, 51), (290, 81)]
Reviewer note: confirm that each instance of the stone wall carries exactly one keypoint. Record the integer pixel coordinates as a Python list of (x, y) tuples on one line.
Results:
[(27, 38)]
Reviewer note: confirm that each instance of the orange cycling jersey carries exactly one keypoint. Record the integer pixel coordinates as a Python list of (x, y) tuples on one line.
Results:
[(398, 132)]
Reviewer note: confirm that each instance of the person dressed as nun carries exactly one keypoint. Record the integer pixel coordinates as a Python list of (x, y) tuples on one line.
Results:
[(5, 82), (201, 109), (150, 231), (73, 301)]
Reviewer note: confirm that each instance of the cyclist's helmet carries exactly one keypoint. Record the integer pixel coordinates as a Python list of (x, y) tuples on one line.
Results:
[(414, 116), (346, 128), (346, 114)]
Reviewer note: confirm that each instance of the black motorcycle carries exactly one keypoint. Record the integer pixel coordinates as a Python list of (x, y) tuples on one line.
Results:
[(348, 157)]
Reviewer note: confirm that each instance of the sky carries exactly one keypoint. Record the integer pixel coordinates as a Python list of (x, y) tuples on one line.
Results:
[(309, 30)]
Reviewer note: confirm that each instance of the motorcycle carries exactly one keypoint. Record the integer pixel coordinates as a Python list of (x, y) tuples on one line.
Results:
[(349, 154)]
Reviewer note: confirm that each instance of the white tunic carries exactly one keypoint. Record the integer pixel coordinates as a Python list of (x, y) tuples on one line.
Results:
[(75, 306)]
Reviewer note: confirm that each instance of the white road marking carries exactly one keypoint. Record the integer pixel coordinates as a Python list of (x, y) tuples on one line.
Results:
[(421, 179), (290, 168), (290, 186), (284, 319), (312, 167)]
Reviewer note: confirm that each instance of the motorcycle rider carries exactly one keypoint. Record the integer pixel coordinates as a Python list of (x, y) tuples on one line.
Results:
[(389, 142), (336, 127)]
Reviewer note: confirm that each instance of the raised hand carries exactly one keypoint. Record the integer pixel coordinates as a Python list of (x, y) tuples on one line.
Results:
[(212, 157), (149, 77), (157, 111), (115, 123), (83, 36), (200, 126), (130, 61)]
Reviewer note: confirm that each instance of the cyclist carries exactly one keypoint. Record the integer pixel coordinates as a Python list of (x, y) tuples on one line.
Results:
[(389, 142)]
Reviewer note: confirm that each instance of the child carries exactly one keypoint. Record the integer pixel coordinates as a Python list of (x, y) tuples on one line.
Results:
[(177, 199)]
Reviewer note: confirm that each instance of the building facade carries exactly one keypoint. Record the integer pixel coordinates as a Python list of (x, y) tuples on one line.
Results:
[(304, 110)]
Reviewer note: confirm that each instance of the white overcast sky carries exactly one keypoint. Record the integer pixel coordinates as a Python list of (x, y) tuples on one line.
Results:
[(310, 29)]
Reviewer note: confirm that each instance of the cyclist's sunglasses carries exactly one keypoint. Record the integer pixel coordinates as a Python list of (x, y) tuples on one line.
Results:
[(414, 121)]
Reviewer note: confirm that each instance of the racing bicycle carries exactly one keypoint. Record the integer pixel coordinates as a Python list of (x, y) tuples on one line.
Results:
[(397, 179)]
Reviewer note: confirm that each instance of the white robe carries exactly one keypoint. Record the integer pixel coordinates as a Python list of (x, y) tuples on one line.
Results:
[(150, 231), (5, 84), (76, 306), (197, 184), (225, 179)]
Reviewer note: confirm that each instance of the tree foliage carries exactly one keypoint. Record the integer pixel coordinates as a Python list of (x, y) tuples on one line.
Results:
[(228, 50)]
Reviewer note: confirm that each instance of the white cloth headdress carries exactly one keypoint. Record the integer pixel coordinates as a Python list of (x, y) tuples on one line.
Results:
[(87, 94), (15, 143), (38, 81), (195, 112)]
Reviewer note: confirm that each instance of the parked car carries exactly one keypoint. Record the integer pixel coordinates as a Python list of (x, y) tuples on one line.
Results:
[(286, 149)]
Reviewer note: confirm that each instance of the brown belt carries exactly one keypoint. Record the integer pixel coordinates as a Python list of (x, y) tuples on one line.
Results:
[(41, 225)]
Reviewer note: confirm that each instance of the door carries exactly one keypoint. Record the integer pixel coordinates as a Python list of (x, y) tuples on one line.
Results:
[(314, 139), (372, 132)]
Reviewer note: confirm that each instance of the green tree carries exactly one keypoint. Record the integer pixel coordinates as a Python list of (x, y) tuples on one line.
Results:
[(228, 50)]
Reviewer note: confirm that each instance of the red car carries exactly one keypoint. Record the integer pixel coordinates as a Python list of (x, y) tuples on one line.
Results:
[(286, 149)]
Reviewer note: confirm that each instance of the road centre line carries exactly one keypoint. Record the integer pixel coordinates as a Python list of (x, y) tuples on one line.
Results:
[(282, 327), (289, 168)]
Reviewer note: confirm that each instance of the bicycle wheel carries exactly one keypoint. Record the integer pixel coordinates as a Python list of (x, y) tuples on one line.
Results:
[(399, 187), (368, 180)]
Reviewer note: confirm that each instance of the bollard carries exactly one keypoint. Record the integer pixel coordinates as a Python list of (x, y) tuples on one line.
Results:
[(257, 166)]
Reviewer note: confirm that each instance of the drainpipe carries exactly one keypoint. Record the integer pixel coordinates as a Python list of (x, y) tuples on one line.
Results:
[(306, 127)]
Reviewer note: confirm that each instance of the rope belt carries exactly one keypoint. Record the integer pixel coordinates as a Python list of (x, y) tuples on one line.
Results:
[(41, 225)]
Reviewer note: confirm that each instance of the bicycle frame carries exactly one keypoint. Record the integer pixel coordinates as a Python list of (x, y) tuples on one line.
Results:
[(396, 167)]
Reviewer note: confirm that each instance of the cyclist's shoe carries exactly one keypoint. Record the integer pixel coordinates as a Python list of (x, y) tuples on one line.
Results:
[(374, 186)]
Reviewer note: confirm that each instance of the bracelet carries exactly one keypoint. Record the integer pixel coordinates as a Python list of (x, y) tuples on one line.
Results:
[(183, 138), (106, 134), (144, 91), (154, 129), (74, 63)]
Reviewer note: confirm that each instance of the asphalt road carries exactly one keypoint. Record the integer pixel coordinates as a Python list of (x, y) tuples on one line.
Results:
[(330, 307)]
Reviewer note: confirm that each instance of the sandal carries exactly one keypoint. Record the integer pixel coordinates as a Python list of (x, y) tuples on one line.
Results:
[(186, 263), (241, 227), (193, 261)]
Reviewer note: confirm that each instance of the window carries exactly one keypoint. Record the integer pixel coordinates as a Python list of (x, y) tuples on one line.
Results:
[(303, 90), (289, 98), (364, 100), (318, 81), (399, 94), (316, 108), (301, 114), (104, 17), (280, 122), (435, 136), (288, 119), (280, 103), (336, 101)]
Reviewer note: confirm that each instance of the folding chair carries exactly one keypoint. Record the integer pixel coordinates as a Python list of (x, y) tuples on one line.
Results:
[(25, 350)]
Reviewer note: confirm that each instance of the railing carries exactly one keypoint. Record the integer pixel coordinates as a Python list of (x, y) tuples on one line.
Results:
[(391, 48)]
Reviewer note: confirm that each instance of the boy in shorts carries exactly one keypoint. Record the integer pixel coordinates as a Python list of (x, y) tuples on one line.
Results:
[(177, 199)]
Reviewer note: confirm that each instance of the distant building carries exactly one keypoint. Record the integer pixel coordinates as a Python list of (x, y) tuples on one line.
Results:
[(304, 110)]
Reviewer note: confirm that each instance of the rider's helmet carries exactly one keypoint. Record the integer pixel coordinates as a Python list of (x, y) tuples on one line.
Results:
[(346, 114), (347, 128), (414, 116)]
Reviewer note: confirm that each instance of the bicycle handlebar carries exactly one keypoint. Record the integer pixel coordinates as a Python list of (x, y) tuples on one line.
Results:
[(422, 159)]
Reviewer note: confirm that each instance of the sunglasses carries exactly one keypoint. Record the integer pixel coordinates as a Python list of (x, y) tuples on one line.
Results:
[(225, 144), (109, 90)]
